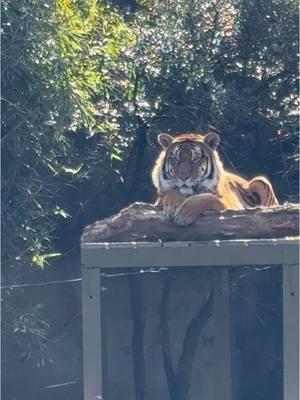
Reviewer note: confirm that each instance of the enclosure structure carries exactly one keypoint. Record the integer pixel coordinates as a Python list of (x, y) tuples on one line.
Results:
[(222, 258)]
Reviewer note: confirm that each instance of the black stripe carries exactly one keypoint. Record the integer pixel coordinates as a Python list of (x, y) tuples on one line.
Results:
[(240, 188), (212, 171), (251, 200), (206, 167), (267, 202), (164, 173), (270, 198), (272, 201), (248, 200), (257, 198)]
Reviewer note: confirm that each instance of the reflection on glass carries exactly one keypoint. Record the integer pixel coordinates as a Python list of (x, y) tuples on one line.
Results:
[(159, 333), (256, 315)]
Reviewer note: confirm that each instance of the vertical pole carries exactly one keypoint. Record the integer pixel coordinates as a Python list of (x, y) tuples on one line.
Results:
[(222, 346), (92, 345), (138, 335), (291, 331)]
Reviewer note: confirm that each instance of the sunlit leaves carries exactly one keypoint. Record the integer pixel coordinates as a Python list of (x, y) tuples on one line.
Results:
[(61, 212), (79, 81), (73, 171), (63, 70), (41, 259)]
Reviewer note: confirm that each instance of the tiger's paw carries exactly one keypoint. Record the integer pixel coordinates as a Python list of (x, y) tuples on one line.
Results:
[(186, 214), (172, 200)]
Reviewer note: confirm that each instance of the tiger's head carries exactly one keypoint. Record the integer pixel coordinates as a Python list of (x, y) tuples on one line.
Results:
[(188, 162)]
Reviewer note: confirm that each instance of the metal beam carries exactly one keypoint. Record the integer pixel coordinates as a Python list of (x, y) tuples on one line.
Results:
[(222, 341), (96, 256), (291, 332), (92, 343), (178, 254)]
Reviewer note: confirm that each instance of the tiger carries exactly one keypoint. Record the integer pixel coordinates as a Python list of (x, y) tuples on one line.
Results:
[(190, 179)]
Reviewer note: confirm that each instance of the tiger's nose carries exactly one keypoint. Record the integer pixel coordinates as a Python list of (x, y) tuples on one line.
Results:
[(184, 177), (184, 174)]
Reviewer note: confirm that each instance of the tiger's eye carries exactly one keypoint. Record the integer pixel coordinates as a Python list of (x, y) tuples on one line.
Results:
[(174, 158), (197, 159)]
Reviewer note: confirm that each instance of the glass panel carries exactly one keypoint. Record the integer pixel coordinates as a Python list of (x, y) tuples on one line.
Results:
[(158, 333), (257, 333)]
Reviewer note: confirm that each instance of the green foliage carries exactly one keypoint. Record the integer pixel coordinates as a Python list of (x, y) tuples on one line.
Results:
[(228, 66), (25, 323), (59, 64), (85, 90)]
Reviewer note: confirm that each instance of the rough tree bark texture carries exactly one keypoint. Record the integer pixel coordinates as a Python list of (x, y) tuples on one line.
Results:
[(145, 222)]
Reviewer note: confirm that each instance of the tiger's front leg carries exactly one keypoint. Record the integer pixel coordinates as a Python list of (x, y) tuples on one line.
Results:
[(195, 205), (171, 201)]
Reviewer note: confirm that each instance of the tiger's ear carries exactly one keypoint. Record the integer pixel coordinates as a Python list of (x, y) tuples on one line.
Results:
[(164, 140), (212, 140)]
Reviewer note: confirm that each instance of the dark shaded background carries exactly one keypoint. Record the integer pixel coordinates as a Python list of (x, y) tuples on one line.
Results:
[(228, 67)]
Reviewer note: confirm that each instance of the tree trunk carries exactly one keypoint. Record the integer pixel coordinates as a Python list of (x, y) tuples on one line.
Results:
[(145, 222)]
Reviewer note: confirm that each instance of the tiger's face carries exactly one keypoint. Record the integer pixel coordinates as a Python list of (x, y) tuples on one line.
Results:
[(189, 162)]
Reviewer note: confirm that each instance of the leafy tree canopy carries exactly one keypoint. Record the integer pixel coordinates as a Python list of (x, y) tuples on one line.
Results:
[(86, 87)]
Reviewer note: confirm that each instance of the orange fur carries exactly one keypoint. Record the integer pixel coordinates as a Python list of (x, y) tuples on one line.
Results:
[(220, 191)]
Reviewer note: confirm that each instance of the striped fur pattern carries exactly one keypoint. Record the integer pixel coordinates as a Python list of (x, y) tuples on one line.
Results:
[(190, 179)]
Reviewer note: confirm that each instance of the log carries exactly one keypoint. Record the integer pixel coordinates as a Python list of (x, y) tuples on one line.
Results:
[(145, 222)]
